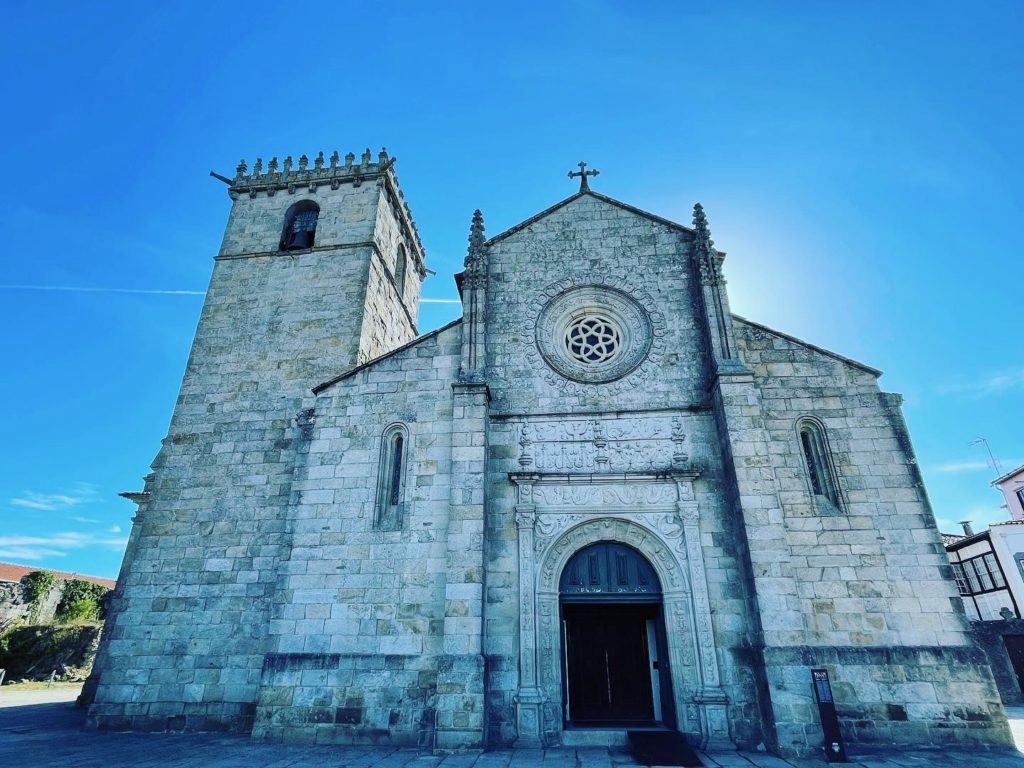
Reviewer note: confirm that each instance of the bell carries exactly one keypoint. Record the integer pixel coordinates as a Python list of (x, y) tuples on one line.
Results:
[(297, 241)]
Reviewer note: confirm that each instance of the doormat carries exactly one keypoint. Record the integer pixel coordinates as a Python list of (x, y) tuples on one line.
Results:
[(662, 748)]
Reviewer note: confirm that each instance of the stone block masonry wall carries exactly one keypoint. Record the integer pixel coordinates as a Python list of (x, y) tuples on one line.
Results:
[(347, 216), (185, 644), (874, 600), (338, 698), (873, 572), (725, 579), (991, 637), (590, 241), (368, 603), (917, 696)]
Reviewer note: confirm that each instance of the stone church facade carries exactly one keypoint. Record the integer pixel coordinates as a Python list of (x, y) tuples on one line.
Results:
[(597, 501)]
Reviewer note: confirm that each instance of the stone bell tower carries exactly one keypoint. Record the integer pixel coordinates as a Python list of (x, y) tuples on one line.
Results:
[(319, 271)]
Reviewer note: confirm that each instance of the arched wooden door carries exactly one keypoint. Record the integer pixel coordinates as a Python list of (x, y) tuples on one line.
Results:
[(613, 643)]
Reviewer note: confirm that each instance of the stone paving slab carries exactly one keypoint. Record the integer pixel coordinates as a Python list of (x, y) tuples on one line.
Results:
[(43, 729)]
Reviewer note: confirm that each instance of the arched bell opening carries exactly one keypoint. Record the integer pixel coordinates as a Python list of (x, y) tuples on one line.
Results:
[(300, 222), (614, 653)]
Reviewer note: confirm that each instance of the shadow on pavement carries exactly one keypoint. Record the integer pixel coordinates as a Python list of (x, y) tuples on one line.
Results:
[(26, 718)]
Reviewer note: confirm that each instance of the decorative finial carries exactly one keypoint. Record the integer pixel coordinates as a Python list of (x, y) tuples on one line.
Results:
[(241, 168), (382, 156), (704, 252), (334, 159), (303, 162), (583, 173), (319, 162), (476, 256), (349, 159), (476, 230), (288, 164), (272, 165), (257, 168), (366, 157)]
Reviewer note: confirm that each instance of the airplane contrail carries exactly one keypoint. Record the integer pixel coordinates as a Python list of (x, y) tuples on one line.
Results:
[(87, 289)]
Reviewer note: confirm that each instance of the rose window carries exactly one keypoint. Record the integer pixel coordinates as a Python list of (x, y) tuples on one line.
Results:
[(593, 333), (593, 339)]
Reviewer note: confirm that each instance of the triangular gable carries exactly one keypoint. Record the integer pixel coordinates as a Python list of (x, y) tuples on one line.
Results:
[(610, 200), (370, 363), (802, 343)]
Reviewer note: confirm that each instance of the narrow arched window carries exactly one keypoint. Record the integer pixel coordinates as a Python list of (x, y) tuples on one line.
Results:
[(300, 226), (821, 475), (394, 451), (400, 270)]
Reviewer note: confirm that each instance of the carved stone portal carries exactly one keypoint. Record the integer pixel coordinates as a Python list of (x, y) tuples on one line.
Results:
[(557, 515)]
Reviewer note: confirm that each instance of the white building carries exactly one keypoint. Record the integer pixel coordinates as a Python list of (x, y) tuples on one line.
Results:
[(1012, 487), (987, 567)]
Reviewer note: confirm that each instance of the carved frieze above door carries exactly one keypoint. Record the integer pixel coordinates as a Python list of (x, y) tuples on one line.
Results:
[(606, 444)]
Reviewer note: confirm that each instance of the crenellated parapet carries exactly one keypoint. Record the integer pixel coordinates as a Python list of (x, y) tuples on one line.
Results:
[(290, 176)]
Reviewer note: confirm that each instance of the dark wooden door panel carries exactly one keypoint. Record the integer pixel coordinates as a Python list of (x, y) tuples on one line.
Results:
[(607, 664)]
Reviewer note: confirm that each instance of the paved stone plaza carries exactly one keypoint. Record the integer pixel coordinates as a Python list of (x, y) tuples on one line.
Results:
[(44, 728)]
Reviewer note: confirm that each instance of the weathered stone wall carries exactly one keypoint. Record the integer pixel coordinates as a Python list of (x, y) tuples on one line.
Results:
[(586, 242), (590, 241), (914, 695), (869, 580), (989, 636), (186, 641), (874, 571), (359, 616), (258, 591), (346, 217)]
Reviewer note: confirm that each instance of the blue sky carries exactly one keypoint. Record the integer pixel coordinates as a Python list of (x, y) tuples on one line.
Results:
[(860, 163)]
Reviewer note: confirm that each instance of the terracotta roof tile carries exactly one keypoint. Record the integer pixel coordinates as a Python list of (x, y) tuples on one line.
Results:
[(12, 572)]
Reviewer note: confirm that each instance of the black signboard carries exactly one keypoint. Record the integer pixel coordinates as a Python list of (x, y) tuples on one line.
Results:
[(835, 750)]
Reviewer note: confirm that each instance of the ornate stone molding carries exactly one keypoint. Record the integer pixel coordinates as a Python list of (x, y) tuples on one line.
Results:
[(613, 318), (559, 514), (635, 311), (604, 444)]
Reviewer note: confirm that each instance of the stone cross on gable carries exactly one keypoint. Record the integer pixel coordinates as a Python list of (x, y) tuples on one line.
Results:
[(583, 173)]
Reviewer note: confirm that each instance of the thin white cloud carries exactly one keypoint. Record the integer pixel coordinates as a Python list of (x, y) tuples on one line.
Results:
[(962, 466), (58, 544), (22, 554), (84, 289), (82, 493), (974, 465), (992, 383), (433, 301), (77, 519), (114, 529)]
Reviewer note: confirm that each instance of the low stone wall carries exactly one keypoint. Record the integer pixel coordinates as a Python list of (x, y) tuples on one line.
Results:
[(893, 696), (988, 635), (342, 698)]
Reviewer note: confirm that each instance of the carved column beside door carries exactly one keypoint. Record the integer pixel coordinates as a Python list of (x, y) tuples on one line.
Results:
[(710, 700), (530, 697)]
